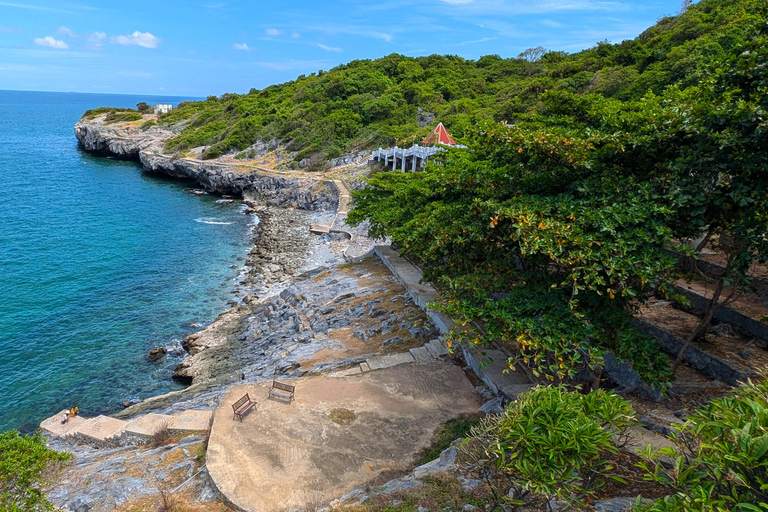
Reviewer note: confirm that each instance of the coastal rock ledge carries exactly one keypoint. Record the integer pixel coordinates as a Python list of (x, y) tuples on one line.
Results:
[(129, 141)]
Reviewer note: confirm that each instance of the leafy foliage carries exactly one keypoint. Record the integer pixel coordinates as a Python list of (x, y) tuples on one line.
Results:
[(721, 459), (541, 237), (548, 443), (367, 103), (546, 235), (26, 468)]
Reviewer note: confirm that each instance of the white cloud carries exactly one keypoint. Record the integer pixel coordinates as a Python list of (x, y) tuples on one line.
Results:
[(10, 30), (95, 40), (50, 42), (328, 48), (273, 32), (241, 46), (483, 40), (31, 7), (296, 35), (143, 39), (66, 32)]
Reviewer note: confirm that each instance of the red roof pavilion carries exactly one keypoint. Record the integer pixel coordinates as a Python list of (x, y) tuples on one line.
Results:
[(439, 136)]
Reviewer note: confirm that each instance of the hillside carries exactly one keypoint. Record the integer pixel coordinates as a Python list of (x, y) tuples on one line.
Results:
[(370, 103)]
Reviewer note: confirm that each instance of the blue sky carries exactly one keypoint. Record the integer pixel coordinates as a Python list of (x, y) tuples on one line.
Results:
[(195, 48)]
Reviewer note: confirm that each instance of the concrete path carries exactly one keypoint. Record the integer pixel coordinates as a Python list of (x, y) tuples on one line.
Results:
[(295, 457)]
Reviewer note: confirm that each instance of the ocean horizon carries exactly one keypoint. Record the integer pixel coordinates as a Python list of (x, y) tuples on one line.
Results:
[(99, 263)]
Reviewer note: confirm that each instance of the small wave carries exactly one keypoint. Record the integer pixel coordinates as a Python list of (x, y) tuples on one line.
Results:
[(213, 221)]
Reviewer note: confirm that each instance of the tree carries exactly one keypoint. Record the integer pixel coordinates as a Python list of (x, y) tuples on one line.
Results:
[(27, 467), (539, 240), (143, 108), (532, 54), (721, 172)]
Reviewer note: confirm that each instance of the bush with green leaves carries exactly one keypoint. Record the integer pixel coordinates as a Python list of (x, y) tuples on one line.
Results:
[(27, 467), (720, 458), (549, 443)]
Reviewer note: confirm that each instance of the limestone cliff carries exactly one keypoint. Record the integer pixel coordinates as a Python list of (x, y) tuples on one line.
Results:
[(129, 141)]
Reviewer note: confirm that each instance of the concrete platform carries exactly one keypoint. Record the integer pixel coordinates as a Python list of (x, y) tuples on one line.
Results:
[(55, 427), (294, 457), (148, 424), (191, 420), (101, 428)]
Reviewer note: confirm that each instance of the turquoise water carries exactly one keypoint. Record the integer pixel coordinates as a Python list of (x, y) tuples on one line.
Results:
[(99, 263)]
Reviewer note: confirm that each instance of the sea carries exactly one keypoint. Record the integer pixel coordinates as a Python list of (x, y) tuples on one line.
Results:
[(99, 263)]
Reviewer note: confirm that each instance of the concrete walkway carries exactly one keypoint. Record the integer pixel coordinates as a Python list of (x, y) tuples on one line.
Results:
[(296, 457)]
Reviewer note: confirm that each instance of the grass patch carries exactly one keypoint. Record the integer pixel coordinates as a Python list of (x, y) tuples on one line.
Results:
[(445, 434), (439, 492), (149, 124), (343, 416)]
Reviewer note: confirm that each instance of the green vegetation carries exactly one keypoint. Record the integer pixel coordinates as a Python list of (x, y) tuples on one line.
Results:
[(27, 467), (549, 443), (95, 112), (113, 114), (445, 434), (342, 416), (720, 460), (368, 103), (547, 235)]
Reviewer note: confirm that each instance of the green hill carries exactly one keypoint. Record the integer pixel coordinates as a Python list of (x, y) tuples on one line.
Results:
[(370, 103)]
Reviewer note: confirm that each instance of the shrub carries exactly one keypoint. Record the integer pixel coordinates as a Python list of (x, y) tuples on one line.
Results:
[(161, 436), (721, 457), (123, 116), (27, 467), (446, 433), (549, 443)]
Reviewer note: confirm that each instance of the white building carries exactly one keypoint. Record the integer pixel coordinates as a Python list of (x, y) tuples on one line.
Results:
[(162, 108)]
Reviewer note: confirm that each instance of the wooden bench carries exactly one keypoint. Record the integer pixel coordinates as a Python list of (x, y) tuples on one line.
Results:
[(282, 391), (242, 406)]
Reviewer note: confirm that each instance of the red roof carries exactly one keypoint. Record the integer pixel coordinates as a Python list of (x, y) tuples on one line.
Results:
[(439, 136)]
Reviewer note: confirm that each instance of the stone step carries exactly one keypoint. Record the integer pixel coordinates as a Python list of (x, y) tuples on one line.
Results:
[(364, 367), (511, 391), (318, 229), (421, 354), (59, 429), (148, 424), (639, 438), (100, 428), (437, 347), (377, 363)]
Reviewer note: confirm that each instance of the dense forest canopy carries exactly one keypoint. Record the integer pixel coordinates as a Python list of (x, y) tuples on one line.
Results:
[(549, 233), (370, 103)]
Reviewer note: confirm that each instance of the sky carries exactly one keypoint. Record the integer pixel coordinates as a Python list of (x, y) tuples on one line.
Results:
[(191, 48)]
